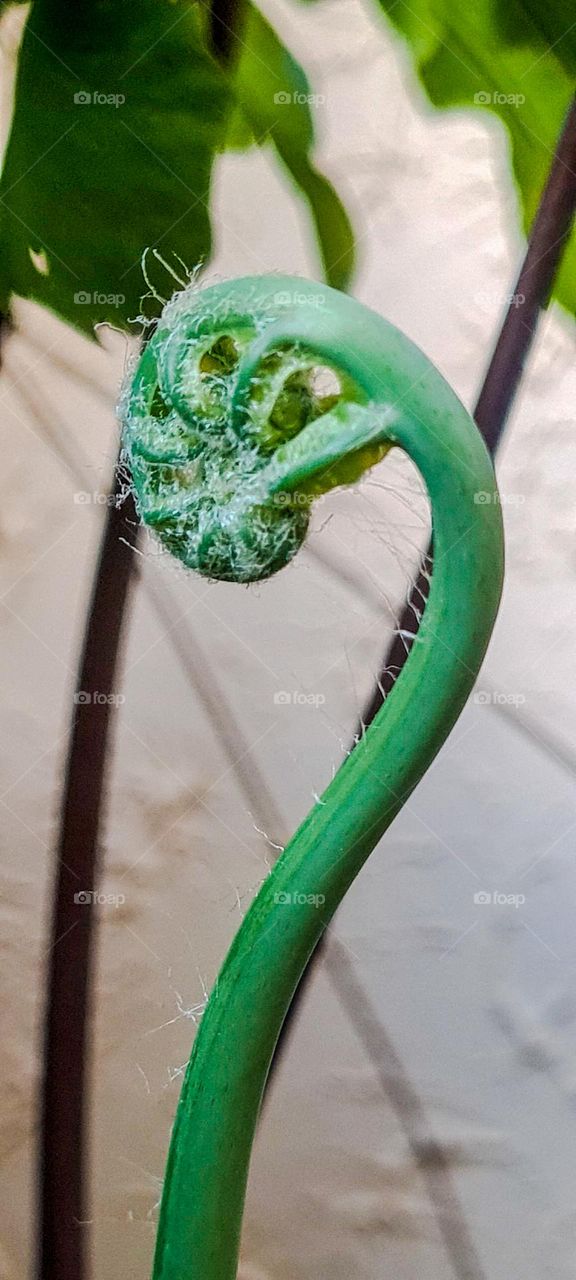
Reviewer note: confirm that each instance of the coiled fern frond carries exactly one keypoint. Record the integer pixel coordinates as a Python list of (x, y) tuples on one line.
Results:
[(229, 439), (231, 430)]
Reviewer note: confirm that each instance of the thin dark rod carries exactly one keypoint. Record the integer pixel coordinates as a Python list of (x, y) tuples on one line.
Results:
[(63, 1192)]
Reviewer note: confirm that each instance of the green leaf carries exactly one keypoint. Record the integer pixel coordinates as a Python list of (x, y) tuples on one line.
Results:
[(515, 58), (275, 99), (119, 110)]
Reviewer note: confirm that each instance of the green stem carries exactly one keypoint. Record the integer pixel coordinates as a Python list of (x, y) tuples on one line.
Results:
[(201, 1215)]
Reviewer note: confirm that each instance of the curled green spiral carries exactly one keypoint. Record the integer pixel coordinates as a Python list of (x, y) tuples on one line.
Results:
[(207, 441), (229, 440)]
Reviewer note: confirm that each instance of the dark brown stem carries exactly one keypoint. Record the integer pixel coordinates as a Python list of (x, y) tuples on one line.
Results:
[(63, 1200), (548, 236)]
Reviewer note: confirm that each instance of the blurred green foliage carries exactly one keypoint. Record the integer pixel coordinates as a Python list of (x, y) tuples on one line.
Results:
[(121, 110), (119, 113), (514, 58)]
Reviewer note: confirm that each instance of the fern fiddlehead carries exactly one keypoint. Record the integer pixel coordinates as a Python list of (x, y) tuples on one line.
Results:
[(229, 439)]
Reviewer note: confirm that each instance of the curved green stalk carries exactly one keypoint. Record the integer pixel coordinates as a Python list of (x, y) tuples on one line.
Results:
[(390, 395)]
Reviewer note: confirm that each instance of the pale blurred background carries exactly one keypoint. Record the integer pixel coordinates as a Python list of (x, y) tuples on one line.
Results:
[(438, 1018)]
